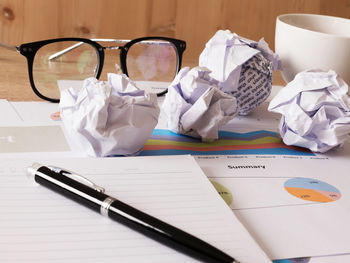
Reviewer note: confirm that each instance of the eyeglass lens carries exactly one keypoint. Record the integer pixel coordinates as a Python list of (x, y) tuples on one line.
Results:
[(152, 64), (50, 74)]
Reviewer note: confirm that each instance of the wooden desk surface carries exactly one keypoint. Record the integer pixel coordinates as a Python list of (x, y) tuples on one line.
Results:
[(14, 80)]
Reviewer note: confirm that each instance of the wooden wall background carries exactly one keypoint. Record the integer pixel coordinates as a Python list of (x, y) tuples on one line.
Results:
[(192, 20)]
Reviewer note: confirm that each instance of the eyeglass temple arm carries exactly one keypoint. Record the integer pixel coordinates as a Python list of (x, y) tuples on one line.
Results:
[(9, 47), (62, 52)]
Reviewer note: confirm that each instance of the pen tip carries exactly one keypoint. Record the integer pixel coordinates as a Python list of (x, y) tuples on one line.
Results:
[(31, 170)]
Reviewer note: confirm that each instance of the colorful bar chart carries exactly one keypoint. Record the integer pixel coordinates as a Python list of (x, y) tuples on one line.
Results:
[(166, 142)]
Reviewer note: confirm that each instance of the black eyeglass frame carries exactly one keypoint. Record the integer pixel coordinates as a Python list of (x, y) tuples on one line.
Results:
[(30, 49)]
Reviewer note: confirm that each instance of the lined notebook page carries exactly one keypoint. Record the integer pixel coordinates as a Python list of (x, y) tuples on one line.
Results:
[(38, 225)]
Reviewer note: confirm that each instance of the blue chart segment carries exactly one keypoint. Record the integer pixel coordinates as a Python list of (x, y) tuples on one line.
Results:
[(262, 142)]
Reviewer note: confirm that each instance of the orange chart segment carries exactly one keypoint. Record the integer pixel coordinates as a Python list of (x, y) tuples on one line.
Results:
[(312, 190), (308, 194)]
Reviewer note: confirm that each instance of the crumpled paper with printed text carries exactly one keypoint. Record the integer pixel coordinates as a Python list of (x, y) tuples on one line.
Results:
[(242, 66)]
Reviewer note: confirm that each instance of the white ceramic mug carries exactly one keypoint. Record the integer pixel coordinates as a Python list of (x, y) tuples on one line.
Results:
[(306, 41)]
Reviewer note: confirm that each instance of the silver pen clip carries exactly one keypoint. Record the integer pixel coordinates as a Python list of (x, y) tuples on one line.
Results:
[(77, 177)]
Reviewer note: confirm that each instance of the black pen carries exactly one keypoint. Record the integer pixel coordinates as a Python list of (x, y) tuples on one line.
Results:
[(92, 196)]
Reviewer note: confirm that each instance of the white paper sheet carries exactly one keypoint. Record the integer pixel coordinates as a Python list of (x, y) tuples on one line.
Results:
[(32, 139), (341, 258), (284, 225), (36, 112), (30, 128), (8, 113), (47, 227)]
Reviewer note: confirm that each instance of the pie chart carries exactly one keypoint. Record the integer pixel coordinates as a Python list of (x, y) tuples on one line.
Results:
[(223, 192), (312, 190)]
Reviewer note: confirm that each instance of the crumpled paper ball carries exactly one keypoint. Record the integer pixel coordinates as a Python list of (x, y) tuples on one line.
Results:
[(195, 105), (315, 111), (109, 118), (243, 67)]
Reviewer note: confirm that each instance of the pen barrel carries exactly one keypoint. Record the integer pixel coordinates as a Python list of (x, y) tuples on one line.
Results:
[(165, 233), (70, 188)]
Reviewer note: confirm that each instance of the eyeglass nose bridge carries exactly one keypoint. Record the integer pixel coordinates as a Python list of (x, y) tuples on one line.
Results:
[(114, 48), (121, 66), (119, 44)]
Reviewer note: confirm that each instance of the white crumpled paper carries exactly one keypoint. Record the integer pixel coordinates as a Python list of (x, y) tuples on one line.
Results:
[(109, 118), (315, 111), (196, 106), (242, 66)]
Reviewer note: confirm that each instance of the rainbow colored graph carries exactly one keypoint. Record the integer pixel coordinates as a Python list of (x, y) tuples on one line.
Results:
[(165, 142)]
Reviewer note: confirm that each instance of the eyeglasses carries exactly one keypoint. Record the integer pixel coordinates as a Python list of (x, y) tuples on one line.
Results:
[(56, 64)]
